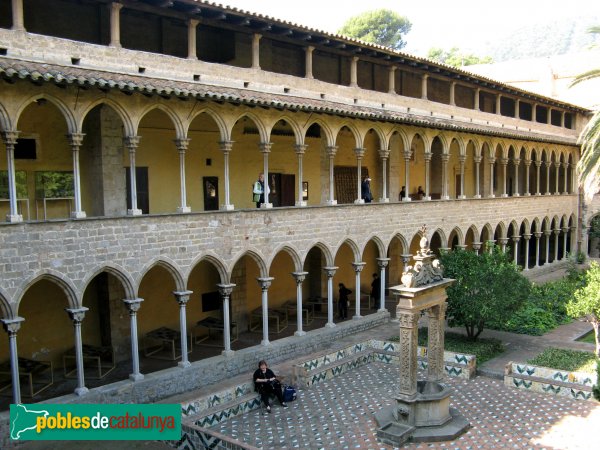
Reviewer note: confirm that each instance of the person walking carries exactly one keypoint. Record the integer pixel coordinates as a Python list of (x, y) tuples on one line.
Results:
[(258, 190), (365, 190), (343, 301)]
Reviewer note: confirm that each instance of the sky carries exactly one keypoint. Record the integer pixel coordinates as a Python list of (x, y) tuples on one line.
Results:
[(466, 24)]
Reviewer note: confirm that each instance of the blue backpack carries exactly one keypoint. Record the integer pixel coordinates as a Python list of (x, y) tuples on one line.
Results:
[(289, 393)]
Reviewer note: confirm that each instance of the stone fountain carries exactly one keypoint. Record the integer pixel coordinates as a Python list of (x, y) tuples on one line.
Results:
[(422, 411)]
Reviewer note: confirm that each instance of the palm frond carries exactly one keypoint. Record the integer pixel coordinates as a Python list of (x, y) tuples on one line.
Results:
[(589, 164), (595, 29), (590, 74)]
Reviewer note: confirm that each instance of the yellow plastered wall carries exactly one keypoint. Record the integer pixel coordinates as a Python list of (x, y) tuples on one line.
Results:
[(253, 290), (160, 307), (283, 287), (203, 279)]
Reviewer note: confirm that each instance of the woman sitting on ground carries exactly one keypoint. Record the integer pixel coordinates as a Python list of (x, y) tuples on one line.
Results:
[(266, 383)]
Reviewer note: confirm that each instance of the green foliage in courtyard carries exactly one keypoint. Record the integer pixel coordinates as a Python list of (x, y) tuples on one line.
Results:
[(561, 359), (585, 304), (489, 288), (383, 26), (596, 388), (456, 58)]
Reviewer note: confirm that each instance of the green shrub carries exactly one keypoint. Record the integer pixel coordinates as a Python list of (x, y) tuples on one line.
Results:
[(596, 388), (561, 359)]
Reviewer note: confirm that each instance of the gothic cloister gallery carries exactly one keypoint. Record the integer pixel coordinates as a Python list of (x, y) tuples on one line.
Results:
[(104, 265)]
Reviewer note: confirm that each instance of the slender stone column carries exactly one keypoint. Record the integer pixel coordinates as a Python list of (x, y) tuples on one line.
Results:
[(527, 163), (11, 326), (562, 119), (538, 165), (427, 175), (503, 241), (549, 116), (182, 146), (556, 184), (548, 164), (358, 267), (384, 154), (452, 90), (133, 306), (299, 277), (75, 141), (256, 51), (516, 162), (516, 238), (18, 21), (565, 230), (490, 245), (115, 24), (462, 159), (359, 152), (408, 353), (405, 260), (538, 235), (492, 161), (354, 71), (182, 298), (498, 103), (504, 163), (566, 187), (331, 151), (192, 24), (264, 284), (265, 149), (77, 315), (556, 244), (435, 342), (517, 104), (131, 143), (527, 237), (573, 238), (407, 155), (476, 246), (477, 161), (225, 291), (226, 147), (330, 271), (424, 86), (547, 233), (300, 149), (476, 102), (534, 112), (308, 62), (392, 80), (382, 263), (445, 158), (10, 140)]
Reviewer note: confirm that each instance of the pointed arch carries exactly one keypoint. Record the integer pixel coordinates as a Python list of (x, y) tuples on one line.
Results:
[(5, 307), (383, 141), (358, 137), (262, 266), (325, 128), (118, 272), (54, 277), (167, 264), (180, 130), (353, 246), (403, 242), (456, 231), (378, 243), (298, 135), (5, 122), (214, 115), (262, 129), (292, 252), (212, 259), (64, 109), (129, 129), (329, 259)]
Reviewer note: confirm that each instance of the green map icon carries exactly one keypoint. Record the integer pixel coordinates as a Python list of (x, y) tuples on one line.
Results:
[(23, 420)]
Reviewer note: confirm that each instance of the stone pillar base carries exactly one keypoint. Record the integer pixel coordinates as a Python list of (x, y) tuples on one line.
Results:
[(357, 317), (266, 205), (134, 212), (330, 325), (14, 219), (359, 201), (477, 196), (265, 343), (300, 333), (226, 207), (184, 209), (427, 198), (78, 215), (136, 376), (445, 197), (384, 200), (331, 202), (81, 391), (227, 353), (302, 203), (406, 199), (184, 364), (462, 197)]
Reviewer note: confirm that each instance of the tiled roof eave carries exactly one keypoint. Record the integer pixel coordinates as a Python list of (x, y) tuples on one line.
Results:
[(61, 75)]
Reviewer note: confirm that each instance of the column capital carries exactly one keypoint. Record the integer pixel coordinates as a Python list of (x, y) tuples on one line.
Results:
[(331, 150), (547, 232), (565, 229), (516, 238), (538, 164), (265, 147), (182, 297), (383, 262), (537, 234), (477, 159), (226, 289), (556, 231), (299, 276), (526, 236), (310, 48), (557, 164), (462, 159), (75, 139), (131, 142), (360, 152), (182, 144), (503, 240), (355, 59), (265, 282), (77, 314), (392, 68), (408, 319), (384, 153), (300, 149), (516, 161), (330, 271), (476, 245), (445, 157), (428, 156), (407, 154), (406, 258), (193, 22), (424, 76), (116, 5), (504, 161), (226, 146), (11, 326), (257, 36), (358, 266), (527, 162), (10, 137), (133, 305)]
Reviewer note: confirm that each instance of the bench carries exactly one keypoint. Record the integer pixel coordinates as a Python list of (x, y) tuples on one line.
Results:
[(319, 305), (576, 385), (308, 310), (278, 317), (164, 343), (38, 375), (213, 326), (101, 359)]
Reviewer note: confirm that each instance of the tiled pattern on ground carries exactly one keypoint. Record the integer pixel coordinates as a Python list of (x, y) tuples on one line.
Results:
[(338, 414)]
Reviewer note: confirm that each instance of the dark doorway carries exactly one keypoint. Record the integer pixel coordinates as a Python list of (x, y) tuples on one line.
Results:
[(282, 188), (211, 193), (141, 184)]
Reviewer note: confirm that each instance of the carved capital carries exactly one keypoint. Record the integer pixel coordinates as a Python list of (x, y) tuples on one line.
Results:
[(265, 283), (133, 305), (330, 271), (359, 152), (299, 276), (331, 150), (384, 153), (226, 146), (408, 319), (527, 162), (77, 314), (265, 147), (527, 236), (300, 149), (181, 144), (182, 297), (75, 140), (131, 143), (476, 245), (406, 258), (11, 326), (537, 234), (10, 137), (358, 266), (225, 289), (383, 262)]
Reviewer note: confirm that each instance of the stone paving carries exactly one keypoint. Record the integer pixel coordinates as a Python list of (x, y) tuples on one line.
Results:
[(338, 414)]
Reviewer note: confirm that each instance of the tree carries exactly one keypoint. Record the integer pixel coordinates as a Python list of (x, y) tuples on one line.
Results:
[(488, 287), (455, 58), (589, 164), (585, 303), (381, 26)]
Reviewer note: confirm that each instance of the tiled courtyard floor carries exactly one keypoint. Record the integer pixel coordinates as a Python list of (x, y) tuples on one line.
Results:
[(338, 414)]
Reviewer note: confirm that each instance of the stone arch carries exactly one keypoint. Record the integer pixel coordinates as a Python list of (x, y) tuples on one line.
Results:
[(353, 246), (358, 138), (64, 109), (5, 122), (213, 259), (118, 272), (298, 135), (262, 266), (546, 224), (170, 266), (471, 236), (462, 145), (324, 248), (401, 239), (537, 224), (443, 139), (180, 130), (224, 132), (501, 228), (456, 232), (325, 128), (403, 137), (129, 129), (378, 243), (55, 277), (292, 252), (383, 141), (262, 130), (5, 307), (525, 223), (515, 227)]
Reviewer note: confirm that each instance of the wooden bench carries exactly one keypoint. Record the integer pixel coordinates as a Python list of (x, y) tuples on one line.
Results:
[(164, 343), (319, 305), (101, 359), (38, 375), (213, 325), (278, 317), (308, 310)]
